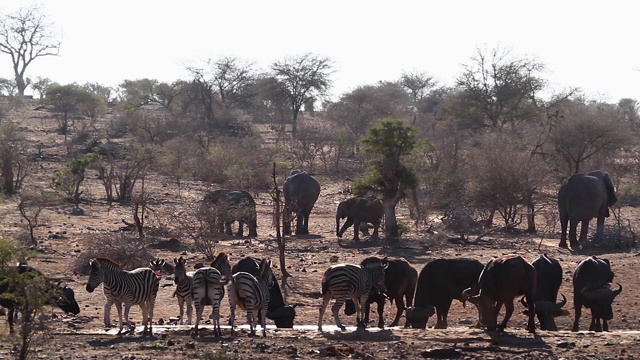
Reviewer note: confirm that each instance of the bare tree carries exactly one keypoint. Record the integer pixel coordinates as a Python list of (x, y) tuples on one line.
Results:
[(584, 131), (25, 36), (302, 77), (498, 90)]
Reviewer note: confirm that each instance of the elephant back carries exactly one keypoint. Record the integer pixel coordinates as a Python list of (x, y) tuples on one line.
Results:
[(302, 186)]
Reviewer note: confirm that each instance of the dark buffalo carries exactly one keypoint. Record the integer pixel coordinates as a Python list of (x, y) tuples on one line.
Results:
[(548, 281), (592, 289), (440, 282), (281, 314), (400, 280), (55, 294), (500, 282)]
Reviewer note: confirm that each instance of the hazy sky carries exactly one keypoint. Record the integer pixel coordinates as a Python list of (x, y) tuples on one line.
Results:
[(589, 44)]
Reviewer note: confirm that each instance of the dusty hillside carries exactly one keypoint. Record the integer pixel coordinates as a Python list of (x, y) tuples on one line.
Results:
[(64, 237)]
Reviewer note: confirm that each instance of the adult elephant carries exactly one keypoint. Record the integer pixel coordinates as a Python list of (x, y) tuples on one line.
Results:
[(227, 206), (357, 210), (301, 192), (581, 198)]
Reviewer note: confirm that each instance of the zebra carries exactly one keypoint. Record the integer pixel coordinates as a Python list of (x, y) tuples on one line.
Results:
[(208, 289), (252, 295), (184, 288), (352, 281), (135, 287)]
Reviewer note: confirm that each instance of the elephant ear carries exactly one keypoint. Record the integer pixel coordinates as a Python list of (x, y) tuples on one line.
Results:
[(611, 193)]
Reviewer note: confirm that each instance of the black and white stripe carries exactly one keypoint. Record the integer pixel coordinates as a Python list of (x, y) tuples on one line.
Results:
[(135, 287), (208, 289), (350, 281), (184, 288), (252, 295)]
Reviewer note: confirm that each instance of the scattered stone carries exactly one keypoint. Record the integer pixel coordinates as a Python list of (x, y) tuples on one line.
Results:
[(334, 258), (446, 353), (190, 345)]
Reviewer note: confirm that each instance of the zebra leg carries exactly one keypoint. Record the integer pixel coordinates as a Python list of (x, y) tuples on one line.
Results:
[(107, 313), (323, 308), (199, 309), (263, 321), (119, 310), (233, 301), (152, 304), (10, 318), (145, 316), (189, 311), (251, 319), (361, 316), (127, 308), (335, 309), (181, 305), (215, 304)]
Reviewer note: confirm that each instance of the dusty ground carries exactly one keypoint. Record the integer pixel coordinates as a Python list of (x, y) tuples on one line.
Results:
[(83, 337)]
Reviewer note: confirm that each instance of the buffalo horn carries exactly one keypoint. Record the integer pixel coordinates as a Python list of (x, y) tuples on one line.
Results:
[(524, 302)]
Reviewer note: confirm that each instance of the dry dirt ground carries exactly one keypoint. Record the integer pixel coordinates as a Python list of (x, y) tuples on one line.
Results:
[(83, 336)]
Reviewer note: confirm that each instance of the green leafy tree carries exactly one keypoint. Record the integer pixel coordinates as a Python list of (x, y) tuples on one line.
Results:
[(69, 178), (25, 36), (68, 99), (388, 174)]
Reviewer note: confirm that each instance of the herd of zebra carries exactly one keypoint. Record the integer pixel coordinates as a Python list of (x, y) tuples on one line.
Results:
[(206, 286)]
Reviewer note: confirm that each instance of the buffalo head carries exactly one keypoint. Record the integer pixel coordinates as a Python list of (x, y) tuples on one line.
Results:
[(546, 311), (600, 300), (418, 316)]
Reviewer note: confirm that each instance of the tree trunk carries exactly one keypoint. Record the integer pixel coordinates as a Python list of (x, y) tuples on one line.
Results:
[(531, 221), (21, 84), (390, 221)]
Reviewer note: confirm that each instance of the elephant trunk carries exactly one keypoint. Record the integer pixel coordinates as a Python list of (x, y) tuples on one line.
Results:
[(338, 226)]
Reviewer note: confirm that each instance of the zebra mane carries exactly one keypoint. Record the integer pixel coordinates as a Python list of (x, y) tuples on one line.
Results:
[(220, 256), (108, 260)]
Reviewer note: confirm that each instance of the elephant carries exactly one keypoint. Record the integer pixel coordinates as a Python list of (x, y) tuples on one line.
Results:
[(581, 198), (301, 191), (357, 210), (227, 206)]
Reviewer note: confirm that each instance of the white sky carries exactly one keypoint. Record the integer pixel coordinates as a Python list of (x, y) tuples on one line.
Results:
[(588, 44)]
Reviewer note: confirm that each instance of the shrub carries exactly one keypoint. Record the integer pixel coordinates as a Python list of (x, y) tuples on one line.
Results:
[(129, 250)]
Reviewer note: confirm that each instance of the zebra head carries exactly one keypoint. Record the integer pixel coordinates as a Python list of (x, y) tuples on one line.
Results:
[(94, 276), (265, 273), (221, 262), (376, 267), (180, 271), (156, 265)]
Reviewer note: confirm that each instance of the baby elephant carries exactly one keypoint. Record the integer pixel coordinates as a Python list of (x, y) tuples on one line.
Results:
[(359, 210)]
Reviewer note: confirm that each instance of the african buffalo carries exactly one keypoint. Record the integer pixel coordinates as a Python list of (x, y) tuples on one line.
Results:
[(55, 294), (500, 282), (441, 281), (281, 314), (548, 281), (592, 289), (400, 281)]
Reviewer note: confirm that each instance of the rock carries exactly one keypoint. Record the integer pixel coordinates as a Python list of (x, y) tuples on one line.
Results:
[(334, 258), (190, 345), (446, 353)]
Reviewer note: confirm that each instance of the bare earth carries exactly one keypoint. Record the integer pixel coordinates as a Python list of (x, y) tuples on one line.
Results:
[(83, 337)]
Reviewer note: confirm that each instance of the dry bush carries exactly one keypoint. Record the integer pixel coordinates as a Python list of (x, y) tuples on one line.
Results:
[(191, 220), (124, 247)]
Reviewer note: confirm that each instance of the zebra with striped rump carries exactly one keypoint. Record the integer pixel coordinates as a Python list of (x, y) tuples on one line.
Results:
[(208, 289), (135, 287), (184, 288), (252, 295), (352, 281)]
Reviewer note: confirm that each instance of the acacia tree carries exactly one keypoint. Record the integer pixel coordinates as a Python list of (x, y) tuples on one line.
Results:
[(25, 36), (387, 174), (498, 90), (418, 84), (302, 78)]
